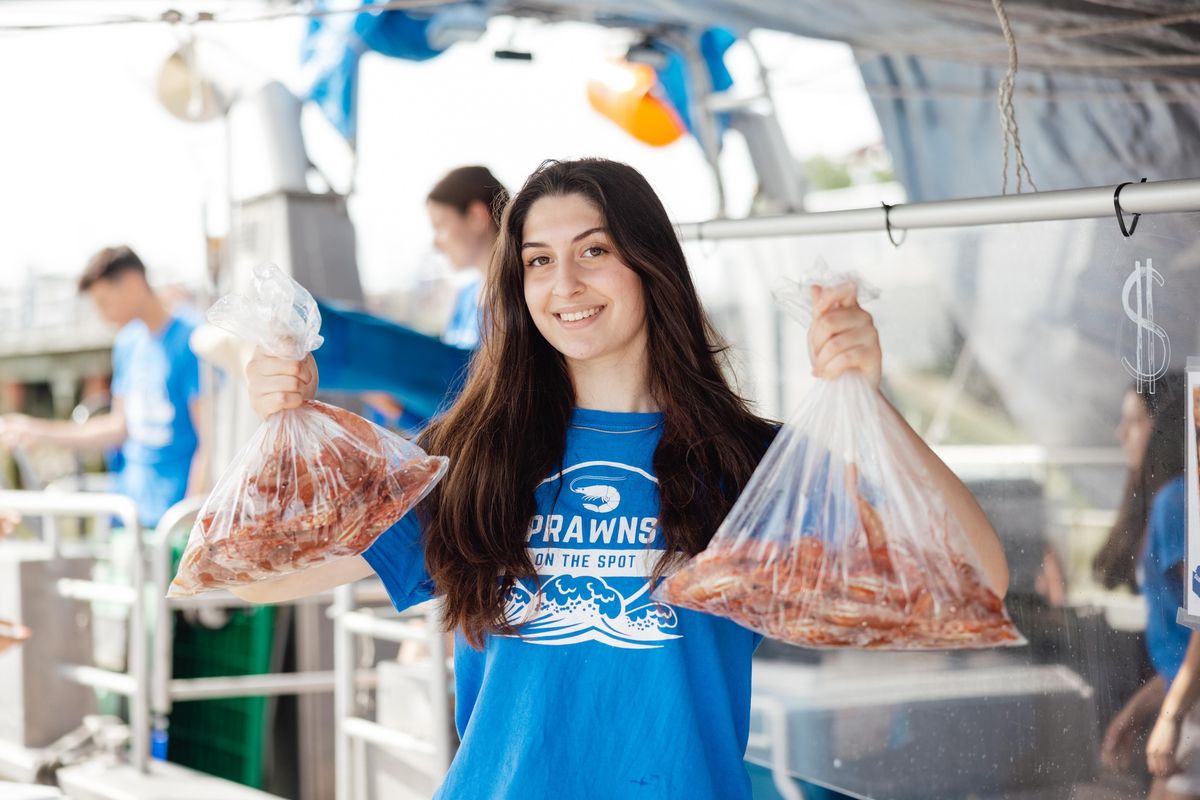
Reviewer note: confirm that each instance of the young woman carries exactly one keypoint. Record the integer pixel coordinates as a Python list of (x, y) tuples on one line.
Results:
[(463, 208), (597, 443), (1152, 430), (1149, 470), (1173, 749)]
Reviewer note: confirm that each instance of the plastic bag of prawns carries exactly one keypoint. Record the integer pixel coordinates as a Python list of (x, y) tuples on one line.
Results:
[(840, 538), (314, 483)]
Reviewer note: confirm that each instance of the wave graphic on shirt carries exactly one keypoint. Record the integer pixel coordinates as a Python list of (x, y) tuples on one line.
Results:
[(570, 609)]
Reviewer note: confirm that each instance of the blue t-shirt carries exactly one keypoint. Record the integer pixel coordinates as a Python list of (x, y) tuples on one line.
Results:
[(465, 321), (156, 376), (1162, 581), (605, 694)]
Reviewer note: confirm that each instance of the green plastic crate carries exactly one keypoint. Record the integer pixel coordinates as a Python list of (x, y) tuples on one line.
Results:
[(223, 737)]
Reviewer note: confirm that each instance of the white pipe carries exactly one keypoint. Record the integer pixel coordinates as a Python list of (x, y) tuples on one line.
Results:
[(75, 589), (97, 678), (380, 735), (260, 685), (439, 694), (343, 693), (1159, 197), (389, 630), (775, 722), (164, 634)]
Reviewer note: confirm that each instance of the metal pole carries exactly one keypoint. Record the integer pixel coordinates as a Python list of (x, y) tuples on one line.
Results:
[(389, 630), (383, 736), (98, 678), (160, 701), (775, 721), (439, 691), (343, 692), (295, 683), (1159, 197), (139, 703)]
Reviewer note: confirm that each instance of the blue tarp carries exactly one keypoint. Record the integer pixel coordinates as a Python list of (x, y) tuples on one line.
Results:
[(364, 353), (334, 44)]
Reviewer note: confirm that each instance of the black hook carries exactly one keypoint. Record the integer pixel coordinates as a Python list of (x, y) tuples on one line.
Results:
[(887, 224), (1120, 215)]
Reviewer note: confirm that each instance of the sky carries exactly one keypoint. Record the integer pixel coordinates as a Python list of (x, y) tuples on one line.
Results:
[(89, 157)]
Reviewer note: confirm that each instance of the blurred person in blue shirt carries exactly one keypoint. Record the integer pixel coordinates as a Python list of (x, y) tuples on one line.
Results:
[(155, 417), (1154, 425), (464, 208)]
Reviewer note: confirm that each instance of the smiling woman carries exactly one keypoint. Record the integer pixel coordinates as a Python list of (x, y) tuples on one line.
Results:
[(583, 298), (600, 370)]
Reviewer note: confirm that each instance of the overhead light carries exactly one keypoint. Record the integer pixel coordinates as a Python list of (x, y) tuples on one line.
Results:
[(185, 91)]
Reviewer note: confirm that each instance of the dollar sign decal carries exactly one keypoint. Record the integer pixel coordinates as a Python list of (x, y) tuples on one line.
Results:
[(1150, 367)]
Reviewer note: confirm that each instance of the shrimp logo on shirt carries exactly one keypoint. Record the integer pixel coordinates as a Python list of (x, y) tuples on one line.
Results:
[(597, 492)]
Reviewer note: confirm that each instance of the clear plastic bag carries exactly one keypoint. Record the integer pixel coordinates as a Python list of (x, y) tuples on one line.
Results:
[(313, 484), (840, 538), (12, 634)]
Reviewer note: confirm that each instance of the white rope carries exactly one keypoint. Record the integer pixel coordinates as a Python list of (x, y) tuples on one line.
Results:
[(981, 54), (1008, 115), (1122, 26), (1161, 94)]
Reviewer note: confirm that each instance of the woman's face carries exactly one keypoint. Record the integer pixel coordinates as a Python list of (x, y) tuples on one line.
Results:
[(583, 299), (465, 238), (1133, 431)]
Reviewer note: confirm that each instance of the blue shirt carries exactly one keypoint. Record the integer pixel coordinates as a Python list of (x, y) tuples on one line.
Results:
[(156, 376), (465, 321), (605, 694), (1162, 579)]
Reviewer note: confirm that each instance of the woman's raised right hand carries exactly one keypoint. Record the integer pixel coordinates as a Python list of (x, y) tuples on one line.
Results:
[(279, 383)]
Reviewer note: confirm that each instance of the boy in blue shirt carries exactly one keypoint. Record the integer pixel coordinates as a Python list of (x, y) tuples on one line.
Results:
[(156, 386)]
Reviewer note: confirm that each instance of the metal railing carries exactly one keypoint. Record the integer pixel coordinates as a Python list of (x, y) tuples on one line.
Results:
[(354, 731), (135, 684), (149, 683), (165, 688)]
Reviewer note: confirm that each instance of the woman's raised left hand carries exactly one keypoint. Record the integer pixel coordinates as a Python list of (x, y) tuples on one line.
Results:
[(1161, 747), (843, 336)]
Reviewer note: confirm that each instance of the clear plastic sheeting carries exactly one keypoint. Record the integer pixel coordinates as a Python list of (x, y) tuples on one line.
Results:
[(1006, 348)]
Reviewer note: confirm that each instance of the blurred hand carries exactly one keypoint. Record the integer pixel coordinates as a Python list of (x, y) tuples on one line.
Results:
[(1161, 747), (279, 383), (8, 521), (843, 336), (384, 403), (17, 430), (1116, 752)]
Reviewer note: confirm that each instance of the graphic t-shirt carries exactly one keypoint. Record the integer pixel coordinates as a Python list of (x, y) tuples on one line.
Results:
[(604, 694), (156, 376), (1162, 578)]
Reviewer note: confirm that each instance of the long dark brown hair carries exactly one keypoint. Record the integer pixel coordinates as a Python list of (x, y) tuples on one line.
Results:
[(507, 430), (1116, 561)]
